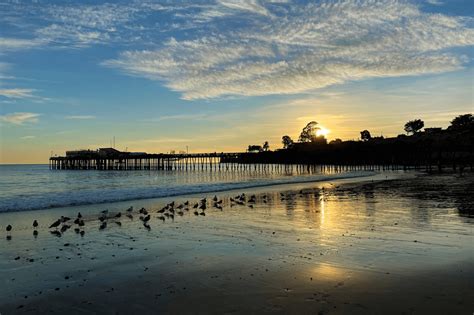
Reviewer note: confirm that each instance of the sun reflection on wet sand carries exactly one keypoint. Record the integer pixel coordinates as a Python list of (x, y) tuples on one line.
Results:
[(291, 242)]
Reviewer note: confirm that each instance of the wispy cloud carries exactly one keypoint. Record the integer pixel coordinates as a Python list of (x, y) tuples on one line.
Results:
[(80, 117), (435, 2), (9, 44), (19, 118), (28, 137), (178, 117), (306, 48), (17, 93)]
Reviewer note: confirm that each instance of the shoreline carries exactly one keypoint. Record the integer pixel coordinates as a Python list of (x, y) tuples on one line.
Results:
[(225, 191), (354, 247)]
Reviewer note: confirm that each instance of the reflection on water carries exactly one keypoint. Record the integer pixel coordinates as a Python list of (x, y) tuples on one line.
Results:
[(307, 231), (27, 187)]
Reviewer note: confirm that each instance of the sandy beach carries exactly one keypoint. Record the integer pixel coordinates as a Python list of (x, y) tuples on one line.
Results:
[(387, 244)]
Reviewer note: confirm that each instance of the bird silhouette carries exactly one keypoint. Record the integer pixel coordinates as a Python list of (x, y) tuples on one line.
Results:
[(35, 224), (103, 225), (64, 228), (55, 224)]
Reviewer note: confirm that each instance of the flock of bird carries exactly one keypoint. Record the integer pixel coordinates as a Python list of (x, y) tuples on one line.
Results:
[(169, 212)]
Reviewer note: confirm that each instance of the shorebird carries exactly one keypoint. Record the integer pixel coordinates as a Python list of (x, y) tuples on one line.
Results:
[(64, 228), (130, 209), (118, 223), (196, 205), (196, 213), (55, 224), (186, 203), (103, 225), (65, 219), (82, 233), (35, 224), (215, 198), (162, 218), (146, 219), (81, 223), (180, 213), (202, 213), (129, 216), (118, 215), (162, 210), (79, 215), (55, 233), (147, 226), (203, 207), (9, 228)]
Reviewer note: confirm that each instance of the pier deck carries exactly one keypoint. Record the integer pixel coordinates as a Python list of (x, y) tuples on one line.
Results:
[(115, 160)]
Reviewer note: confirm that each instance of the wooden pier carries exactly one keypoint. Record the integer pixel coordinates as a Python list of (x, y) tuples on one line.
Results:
[(111, 159)]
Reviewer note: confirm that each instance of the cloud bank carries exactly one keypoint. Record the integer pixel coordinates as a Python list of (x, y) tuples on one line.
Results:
[(290, 48)]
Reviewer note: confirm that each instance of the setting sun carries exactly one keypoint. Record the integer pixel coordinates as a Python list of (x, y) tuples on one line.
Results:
[(322, 132)]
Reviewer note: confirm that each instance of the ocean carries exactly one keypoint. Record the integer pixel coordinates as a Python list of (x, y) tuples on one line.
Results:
[(32, 187)]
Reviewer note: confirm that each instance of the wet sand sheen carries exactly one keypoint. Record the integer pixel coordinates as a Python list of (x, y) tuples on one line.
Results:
[(367, 247)]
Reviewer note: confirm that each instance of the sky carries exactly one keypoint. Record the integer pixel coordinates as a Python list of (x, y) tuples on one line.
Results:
[(216, 76)]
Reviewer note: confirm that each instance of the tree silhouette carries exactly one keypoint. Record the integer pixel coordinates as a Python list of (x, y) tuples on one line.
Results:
[(462, 122), (308, 134), (287, 142), (266, 146), (413, 126), (365, 135)]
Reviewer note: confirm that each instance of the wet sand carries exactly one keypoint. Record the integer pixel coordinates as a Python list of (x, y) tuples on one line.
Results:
[(366, 246)]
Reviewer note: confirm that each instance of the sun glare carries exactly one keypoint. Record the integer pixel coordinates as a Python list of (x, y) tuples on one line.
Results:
[(322, 132)]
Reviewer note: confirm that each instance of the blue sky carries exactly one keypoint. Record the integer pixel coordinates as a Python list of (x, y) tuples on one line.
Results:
[(219, 75)]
